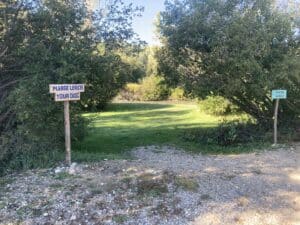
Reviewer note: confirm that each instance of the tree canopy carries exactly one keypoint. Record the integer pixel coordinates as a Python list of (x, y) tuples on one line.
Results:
[(239, 49), (55, 41)]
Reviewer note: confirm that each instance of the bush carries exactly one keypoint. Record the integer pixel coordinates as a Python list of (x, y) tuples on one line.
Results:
[(217, 105), (228, 133), (105, 76), (177, 94), (131, 92), (48, 43), (153, 89), (20, 152)]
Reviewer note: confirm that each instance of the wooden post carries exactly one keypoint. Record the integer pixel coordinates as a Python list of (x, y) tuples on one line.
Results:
[(66, 93), (67, 132), (276, 121)]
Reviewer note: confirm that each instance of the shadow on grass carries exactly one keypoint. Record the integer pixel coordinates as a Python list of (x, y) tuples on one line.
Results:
[(121, 107), (129, 125), (163, 116)]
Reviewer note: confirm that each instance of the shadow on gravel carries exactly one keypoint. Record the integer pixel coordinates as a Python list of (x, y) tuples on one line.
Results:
[(258, 192), (160, 188)]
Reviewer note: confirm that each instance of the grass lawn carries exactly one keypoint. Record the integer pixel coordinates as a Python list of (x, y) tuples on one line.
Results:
[(127, 125)]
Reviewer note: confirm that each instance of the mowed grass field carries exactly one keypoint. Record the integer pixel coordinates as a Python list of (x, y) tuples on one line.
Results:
[(124, 126)]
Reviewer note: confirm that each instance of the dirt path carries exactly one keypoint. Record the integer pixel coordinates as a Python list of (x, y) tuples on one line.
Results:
[(161, 186)]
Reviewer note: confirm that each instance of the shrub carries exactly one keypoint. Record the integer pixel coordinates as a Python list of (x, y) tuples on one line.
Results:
[(228, 133), (187, 183), (19, 152), (149, 184), (153, 89), (217, 105), (46, 43), (177, 94), (131, 92)]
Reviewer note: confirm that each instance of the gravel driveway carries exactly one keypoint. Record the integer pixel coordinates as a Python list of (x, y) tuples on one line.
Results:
[(161, 185)]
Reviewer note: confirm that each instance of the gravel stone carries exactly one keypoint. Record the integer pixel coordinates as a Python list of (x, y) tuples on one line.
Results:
[(261, 188)]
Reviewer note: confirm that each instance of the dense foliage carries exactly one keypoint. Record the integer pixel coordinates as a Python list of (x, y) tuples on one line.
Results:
[(151, 88), (217, 105), (131, 92), (135, 56), (148, 84), (55, 41), (228, 133), (177, 94), (238, 49)]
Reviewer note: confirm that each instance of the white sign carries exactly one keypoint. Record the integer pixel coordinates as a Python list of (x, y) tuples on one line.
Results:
[(66, 88), (66, 92), (72, 96)]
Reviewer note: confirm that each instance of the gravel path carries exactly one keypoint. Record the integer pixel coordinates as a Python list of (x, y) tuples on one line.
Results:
[(161, 185)]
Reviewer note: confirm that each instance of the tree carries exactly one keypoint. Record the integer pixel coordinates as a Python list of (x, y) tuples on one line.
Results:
[(135, 56), (44, 42), (238, 49)]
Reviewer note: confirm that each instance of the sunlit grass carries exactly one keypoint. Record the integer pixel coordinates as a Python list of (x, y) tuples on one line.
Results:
[(127, 125)]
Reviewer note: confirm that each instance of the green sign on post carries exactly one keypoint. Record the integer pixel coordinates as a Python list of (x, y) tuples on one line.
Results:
[(277, 95)]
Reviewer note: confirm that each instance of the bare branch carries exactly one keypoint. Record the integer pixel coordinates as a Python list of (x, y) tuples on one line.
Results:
[(10, 83), (3, 52)]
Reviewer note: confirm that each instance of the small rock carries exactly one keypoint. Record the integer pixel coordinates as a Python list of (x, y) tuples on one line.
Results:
[(59, 170), (73, 217), (74, 169), (45, 214)]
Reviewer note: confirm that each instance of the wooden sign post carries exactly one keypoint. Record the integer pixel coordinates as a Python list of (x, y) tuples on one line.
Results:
[(67, 132), (277, 95), (66, 93)]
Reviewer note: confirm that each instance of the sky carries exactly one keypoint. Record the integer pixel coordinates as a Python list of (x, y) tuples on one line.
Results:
[(144, 26)]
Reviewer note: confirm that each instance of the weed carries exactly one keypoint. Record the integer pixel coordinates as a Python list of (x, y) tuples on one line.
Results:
[(243, 201), (120, 218), (96, 191), (23, 211), (127, 179), (110, 186), (68, 193), (257, 171), (65, 175), (151, 185), (56, 185), (73, 187), (2, 205), (228, 176), (101, 205), (186, 183), (205, 197), (4, 181), (161, 209), (37, 212)]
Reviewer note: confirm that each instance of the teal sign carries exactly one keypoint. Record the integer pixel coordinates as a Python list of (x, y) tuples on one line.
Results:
[(279, 94)]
